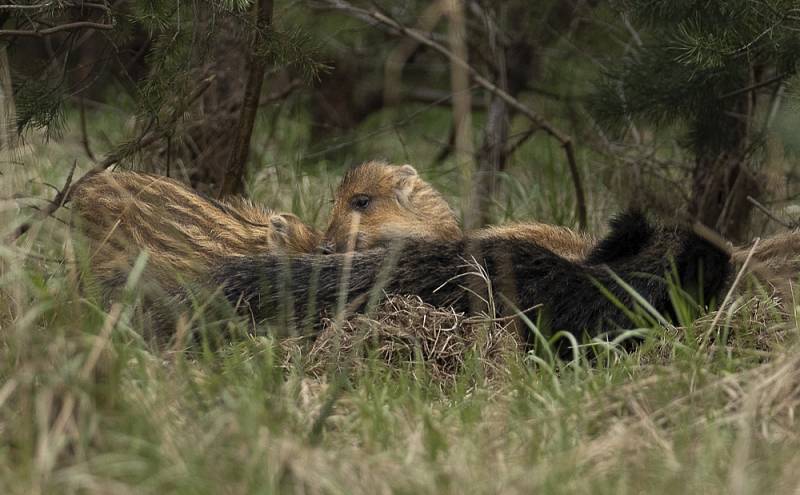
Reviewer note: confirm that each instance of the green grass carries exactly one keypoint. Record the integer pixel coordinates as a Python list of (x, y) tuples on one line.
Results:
[(87, 405)]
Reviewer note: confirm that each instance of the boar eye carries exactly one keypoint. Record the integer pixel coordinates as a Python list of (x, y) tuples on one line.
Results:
[(360, 202)]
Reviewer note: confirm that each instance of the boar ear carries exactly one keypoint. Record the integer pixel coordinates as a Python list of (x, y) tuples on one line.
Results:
[(279, 223), (405, 184), (408, 171)]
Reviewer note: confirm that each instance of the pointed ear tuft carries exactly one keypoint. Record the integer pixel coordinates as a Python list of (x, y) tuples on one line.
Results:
[(405, 185), (279, 223), (408, 171)]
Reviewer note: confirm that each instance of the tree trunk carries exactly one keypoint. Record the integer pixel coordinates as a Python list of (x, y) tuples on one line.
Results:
[(202, 144), (516, 64), (342, 99), (233, 180), (720, 187), (721, 179), (491, 158), (462, 108), (8, 124)]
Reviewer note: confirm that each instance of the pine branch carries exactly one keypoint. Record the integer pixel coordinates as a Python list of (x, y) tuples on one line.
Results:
[(41, 33), (753, 87), (147, 138)]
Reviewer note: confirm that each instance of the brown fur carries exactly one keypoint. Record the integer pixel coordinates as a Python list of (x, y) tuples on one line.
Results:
[(184, 233), (572, 245), (780, 253), (775, 262), (523, 276), (403, 205)]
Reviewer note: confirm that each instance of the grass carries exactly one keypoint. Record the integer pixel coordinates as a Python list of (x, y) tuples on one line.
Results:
[(87, 405)]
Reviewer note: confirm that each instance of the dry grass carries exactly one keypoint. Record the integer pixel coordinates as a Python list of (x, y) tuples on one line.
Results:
[(403, 331), (408, 398)]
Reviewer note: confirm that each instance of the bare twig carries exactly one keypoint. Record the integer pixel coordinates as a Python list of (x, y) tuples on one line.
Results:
[(89, 5), (41, 33), (447, 147), (712, 237), (26, 7), (84, 135), (631, 30), (580, 199), (147, 138), (46, 5), (56, 203), (520, 141), (442, 98), (768, 213), (46, 184), (753, 87), (372, 16), (281, 94)]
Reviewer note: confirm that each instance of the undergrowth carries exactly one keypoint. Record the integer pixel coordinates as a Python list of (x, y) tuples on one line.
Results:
[(408, 399)]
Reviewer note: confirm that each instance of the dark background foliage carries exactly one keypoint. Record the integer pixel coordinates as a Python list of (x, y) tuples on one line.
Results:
[(662, 104)]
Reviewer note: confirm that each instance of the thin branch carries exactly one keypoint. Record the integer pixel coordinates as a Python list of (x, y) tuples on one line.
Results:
[(282, 94), (564, 139), (46, 184), (447, 147), (85, 135), (773, 80), (90, 5), (38, 209), (147, 138), (56, 203), (26, 7), (41, 33), (439, 97), (626, 21), (768, 213), (519, 142), (774, 106), (46, 5)]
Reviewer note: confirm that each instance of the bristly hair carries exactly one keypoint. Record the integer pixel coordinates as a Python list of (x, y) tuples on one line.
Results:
[(297, 288), (630, 233)]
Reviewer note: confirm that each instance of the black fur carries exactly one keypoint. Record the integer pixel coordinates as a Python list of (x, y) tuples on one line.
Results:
[(630, 233), (524, 273)]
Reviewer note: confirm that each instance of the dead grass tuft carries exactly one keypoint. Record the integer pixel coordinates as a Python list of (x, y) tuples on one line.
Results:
[(751, 322), (403, 330), (768, 397)]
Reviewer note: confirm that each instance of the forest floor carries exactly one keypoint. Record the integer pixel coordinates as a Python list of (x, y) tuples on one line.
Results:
[(408, 399)]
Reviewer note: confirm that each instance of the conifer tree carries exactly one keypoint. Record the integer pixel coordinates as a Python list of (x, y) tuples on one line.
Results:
[(717, 68), (159, 53)]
